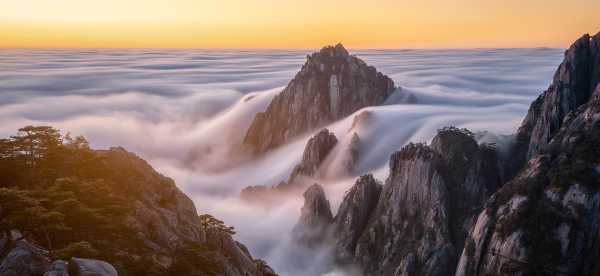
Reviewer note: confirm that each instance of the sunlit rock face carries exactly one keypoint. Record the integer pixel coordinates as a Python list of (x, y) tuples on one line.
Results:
[(331, 85), (164, 218), (573, 83), (315, 218)]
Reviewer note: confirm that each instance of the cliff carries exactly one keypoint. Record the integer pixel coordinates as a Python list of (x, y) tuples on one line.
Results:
[(331, 85)]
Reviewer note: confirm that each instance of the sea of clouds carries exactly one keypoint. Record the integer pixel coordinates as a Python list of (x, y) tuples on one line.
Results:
[(185, 111)]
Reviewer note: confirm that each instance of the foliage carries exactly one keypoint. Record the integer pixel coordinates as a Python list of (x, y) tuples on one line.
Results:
[(66, 197), (453, 129), (209, 222)]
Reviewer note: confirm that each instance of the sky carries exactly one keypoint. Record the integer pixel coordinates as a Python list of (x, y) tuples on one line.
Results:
[(294, 24)]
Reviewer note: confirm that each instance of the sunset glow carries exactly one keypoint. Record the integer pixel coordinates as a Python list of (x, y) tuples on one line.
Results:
[(294, 24)]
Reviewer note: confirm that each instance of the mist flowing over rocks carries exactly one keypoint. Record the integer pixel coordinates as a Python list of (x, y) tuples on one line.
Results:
[(316, 151), (331, 85), (443, 209), (315, 218), (115, 98)]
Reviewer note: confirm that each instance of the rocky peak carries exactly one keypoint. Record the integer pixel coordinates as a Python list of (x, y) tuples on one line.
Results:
[(353, 215), (316, 150), (330, 86), (315, 217), (573, 83)]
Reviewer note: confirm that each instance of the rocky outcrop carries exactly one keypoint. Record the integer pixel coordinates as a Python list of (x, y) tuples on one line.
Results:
[(89, 267), (306, 172), (27, 259), (331, 85), (424, 211), (573, 83), (163, 216), (24, 259), (156, 223), (546, 219), (165, 219), (315, 152), (315, 218), (353, 215)]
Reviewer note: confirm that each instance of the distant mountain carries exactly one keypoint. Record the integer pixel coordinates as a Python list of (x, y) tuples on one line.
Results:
[(331, 85)]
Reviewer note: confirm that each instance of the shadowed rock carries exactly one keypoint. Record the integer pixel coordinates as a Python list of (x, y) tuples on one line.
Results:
[(315, 218), (354, 213), (573, 83)]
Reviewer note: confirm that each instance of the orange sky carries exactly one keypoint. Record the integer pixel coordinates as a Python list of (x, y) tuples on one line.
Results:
[(295, 24)]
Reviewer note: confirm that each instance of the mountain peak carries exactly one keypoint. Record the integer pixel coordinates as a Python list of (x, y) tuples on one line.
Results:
[(331, 85)]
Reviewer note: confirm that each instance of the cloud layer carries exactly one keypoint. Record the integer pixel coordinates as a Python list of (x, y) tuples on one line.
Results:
[(185, 110)]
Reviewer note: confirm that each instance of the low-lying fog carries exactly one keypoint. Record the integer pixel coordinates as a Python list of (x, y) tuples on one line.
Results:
[(183, 110)]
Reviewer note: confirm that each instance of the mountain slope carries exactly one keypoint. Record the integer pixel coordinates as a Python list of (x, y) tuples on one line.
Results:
[(331, 85)]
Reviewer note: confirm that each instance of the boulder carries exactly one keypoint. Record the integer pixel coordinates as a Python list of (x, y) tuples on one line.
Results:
[(90, 267)]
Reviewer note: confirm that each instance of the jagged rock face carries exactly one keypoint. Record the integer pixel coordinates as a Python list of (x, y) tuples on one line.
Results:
[(315, 152), (573, 83), (546, 219), (411, 217), (353, 215), (315, 217), (165, 218), (331, 85), (471, 176), (427, 206), (235, 253)]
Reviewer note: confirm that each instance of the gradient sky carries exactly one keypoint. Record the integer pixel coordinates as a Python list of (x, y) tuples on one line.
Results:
[(295, 24)]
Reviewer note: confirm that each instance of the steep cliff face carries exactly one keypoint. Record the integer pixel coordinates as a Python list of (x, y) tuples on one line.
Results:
[(545, 221), (315, 152), (331, 85), (424, 211), (353, 215), (315, 218), (166, 219), (411, 219), (573, 83)]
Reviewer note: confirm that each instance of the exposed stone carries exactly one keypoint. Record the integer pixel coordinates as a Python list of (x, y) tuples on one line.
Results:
[(330, 86), (306, 172), (353, 215), (58, 268), (573, 83), (315, 218), (90, 267), (315, 152), (24, 259), (427, 206), (545, 220)]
